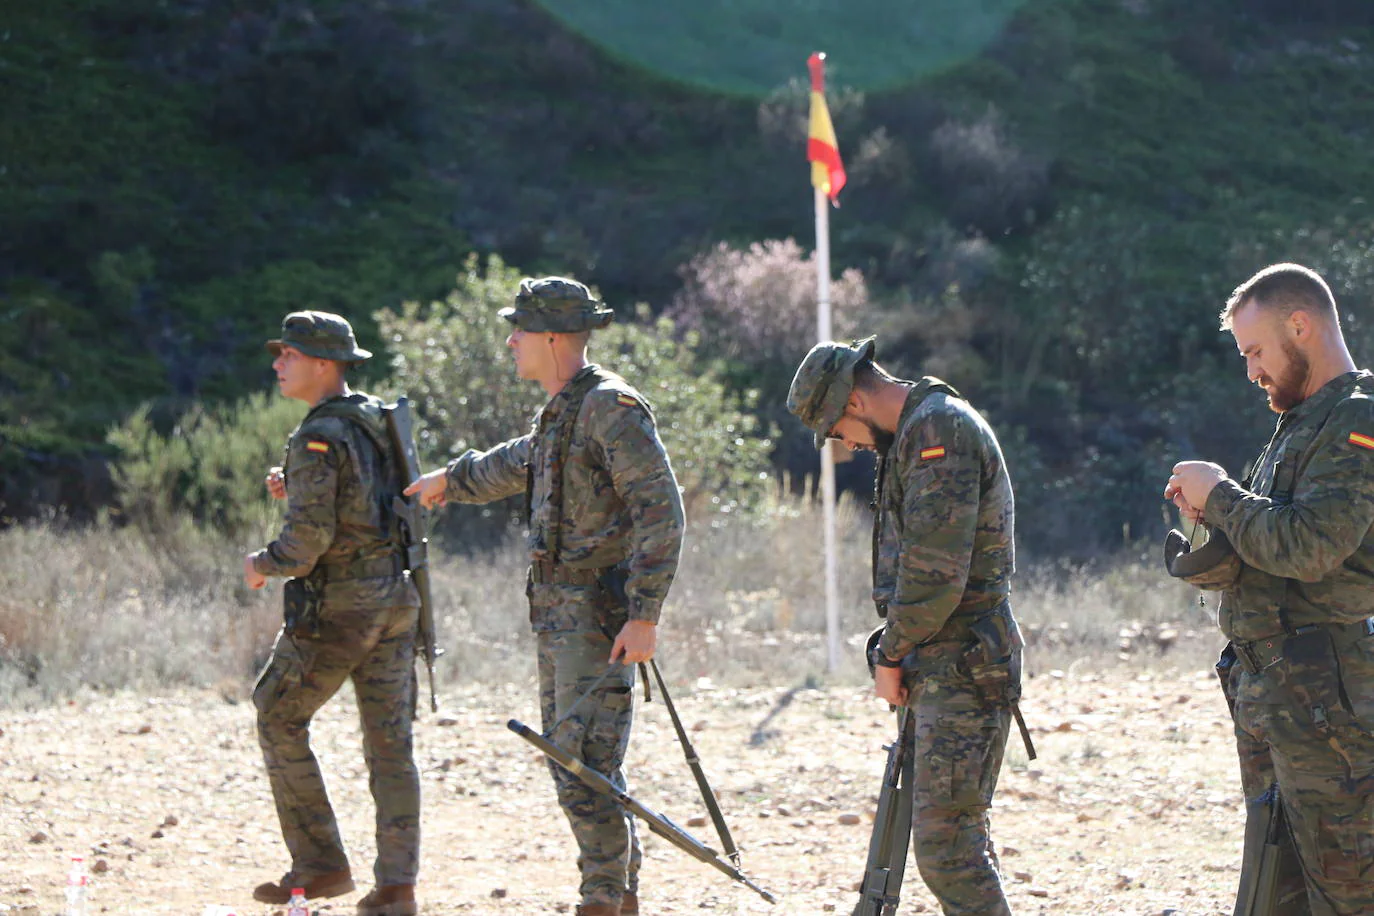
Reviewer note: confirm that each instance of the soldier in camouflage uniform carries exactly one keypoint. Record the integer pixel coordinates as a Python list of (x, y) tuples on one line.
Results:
[(1299, 594), (352, 613), (605, 531), (942, 566)]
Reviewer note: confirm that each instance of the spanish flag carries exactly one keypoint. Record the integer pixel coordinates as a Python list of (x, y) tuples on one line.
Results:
[(822, 149)]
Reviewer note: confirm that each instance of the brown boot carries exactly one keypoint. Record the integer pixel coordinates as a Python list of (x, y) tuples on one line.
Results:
[(629, 904), (389, 900), (330, 884), (598, 909)]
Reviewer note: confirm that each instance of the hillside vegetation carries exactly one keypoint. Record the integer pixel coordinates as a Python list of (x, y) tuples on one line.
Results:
[(1050, 222)]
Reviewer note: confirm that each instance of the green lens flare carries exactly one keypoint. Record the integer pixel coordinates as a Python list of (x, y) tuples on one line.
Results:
[(753, 46)]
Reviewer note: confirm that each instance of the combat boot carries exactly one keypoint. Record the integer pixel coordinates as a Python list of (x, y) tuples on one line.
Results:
[(629, 904), (330, 884), (598, 909), (389, 900)]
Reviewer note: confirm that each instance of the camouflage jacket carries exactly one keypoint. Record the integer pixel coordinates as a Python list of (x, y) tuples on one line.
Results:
[(621, 503), (337, 528), (1301, 522), (944, 554)]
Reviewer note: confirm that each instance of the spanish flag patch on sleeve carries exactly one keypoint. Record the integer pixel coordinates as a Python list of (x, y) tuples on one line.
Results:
[(935, 451), (316, 445), (1362, 440), (626, 400)]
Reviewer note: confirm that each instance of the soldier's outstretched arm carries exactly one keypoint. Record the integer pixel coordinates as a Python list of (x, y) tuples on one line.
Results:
[(484, 477)]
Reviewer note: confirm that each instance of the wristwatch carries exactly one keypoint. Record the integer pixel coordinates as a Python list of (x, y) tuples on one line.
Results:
[(882, 661)]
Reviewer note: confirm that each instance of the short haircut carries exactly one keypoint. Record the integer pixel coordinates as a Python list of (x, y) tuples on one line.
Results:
[(1283, 289), (869, 376)]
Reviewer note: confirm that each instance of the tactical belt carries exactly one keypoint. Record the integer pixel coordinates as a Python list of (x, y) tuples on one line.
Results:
[(1258, 654), (375, 568), (543, 572)]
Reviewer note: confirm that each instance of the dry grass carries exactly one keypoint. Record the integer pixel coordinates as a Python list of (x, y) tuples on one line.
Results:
[(110, 608)]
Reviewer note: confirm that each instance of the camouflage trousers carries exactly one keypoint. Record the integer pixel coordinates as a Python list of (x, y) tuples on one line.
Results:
[(960, 740), (597, 732), (1324, 770), (376, 650)]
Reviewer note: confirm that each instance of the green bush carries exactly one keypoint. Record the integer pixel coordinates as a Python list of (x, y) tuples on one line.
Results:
[(209, 465)]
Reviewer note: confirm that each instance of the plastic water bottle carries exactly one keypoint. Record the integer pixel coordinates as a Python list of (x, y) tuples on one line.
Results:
[(76, 887), (297, 906)]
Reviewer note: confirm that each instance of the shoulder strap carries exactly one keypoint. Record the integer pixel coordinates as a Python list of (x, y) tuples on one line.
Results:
[(567, 423), (352, 409)]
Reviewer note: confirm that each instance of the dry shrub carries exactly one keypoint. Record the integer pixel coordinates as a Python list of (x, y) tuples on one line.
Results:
[(109, 609), (995, 186), (759, 303)]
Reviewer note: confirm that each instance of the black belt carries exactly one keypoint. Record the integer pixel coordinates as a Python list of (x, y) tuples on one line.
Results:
[(1258, 654), (542, 573)]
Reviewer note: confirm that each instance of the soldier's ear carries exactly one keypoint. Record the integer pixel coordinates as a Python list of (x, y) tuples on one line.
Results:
[(1300, 324)]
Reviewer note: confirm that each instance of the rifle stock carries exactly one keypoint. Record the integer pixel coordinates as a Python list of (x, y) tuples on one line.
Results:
[(411, 522), (658, 823)]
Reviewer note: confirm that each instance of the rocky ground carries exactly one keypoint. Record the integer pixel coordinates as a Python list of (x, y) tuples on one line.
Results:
[(1132, 807)]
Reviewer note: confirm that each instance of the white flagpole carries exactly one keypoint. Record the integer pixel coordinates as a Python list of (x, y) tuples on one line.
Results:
[(823, 332)]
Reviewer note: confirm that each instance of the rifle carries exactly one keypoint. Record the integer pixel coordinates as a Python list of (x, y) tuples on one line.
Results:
[(887, 848), (658, 823), (410, 522)]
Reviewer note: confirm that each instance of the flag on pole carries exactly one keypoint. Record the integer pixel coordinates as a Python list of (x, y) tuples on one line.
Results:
[(827, 171)]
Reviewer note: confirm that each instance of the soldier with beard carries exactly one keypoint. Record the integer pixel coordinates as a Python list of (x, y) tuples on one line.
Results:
[(942, 566), (1298, 591)]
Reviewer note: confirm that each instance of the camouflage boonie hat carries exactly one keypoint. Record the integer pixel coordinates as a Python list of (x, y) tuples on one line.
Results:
[(320, 334), (821, 387), (556, 304), (1213, 566)]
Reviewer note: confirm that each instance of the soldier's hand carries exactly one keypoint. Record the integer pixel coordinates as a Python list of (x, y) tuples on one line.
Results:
[(251, 577), (431, 488), (887, 684), (635, 643), (276, 483), (1191, 484)]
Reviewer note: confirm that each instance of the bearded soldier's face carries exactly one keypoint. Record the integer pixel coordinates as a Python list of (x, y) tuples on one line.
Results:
[(861, 434), (1272, 357)]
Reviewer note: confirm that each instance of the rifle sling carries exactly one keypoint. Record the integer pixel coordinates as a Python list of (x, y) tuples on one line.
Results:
[(1025, 732), (713, 808)]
